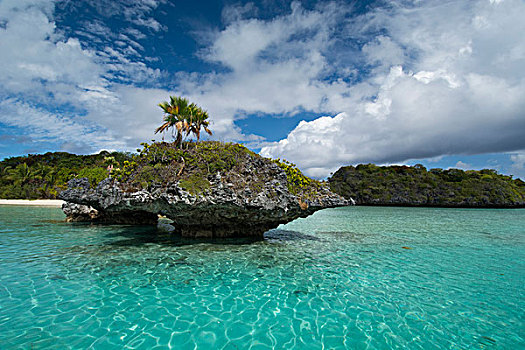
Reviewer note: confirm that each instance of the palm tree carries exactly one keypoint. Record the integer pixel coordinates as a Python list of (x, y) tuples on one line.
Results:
[(184, 117), (175, 112), (48, 176), (42, 171), (111, 163), (21, 174), (200, 120), (5, 171)]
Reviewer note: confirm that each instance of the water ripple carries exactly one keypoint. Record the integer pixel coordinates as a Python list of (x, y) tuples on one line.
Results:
[(342, 278)]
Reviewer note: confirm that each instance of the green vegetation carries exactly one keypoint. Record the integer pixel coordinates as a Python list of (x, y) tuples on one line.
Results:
[(45, 175), (162, 163), (195, 184), (415, 186), (297, 182), (192, 165), (183, 117)]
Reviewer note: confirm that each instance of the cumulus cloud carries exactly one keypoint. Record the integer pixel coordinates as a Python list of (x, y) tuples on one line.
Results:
[(275, 66), (55, 89), (36, 61), (453, 85), (45, 126), (463, 165), (421, 80), (518, 164), (134, 115)]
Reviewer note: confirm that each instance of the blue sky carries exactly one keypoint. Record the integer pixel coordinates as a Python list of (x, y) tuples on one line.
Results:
[(322, 84)]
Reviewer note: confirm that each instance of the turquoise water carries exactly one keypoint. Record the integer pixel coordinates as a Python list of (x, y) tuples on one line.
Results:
[(338, 279)]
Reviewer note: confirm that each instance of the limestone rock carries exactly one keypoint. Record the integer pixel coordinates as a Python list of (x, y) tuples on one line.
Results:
[(246, 201), (79, 212)]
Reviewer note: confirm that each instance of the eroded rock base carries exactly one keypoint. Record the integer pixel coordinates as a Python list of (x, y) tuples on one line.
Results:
[(83, 213)]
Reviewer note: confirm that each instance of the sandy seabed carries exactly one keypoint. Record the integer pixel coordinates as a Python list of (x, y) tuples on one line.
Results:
[(33, 202)]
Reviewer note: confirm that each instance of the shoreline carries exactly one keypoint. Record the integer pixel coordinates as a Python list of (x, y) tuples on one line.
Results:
[(450, 206), (55, 203)]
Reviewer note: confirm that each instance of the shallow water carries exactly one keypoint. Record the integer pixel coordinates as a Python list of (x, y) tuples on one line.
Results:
[(356, 278)]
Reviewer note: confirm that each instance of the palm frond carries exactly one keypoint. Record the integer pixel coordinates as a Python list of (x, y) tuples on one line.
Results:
[(184, 117), (163, 127)]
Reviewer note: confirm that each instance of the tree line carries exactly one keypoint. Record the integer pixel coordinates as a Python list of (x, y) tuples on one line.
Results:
[(369, 184)]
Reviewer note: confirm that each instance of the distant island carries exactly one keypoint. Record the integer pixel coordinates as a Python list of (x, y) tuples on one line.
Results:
[(44, 176), (369, 184)]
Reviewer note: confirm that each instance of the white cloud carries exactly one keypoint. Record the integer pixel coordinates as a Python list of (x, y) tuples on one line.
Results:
[(232, 14), (35, 60), (383, 51), (463, 165), (55, 90), (456, 88), (45, 126), (133, 11), (133, 116), (276, 66), (148, 22), (518, 164)]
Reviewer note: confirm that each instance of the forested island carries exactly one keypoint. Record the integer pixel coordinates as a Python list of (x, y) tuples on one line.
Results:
[(369, 184), (46, 175)]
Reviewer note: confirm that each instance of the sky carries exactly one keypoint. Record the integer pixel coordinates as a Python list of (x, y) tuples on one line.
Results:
[(322, 84)]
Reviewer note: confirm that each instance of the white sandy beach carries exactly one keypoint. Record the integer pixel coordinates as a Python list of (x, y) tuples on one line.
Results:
[(33, 202)]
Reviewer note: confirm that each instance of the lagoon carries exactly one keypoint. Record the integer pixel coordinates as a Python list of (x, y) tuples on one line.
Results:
[(343, 278)]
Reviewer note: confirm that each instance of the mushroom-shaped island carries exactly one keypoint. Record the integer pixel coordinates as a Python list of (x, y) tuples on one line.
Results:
[(209, 189)]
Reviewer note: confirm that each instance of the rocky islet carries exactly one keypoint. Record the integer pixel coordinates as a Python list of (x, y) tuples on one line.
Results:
[(246, 199)]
